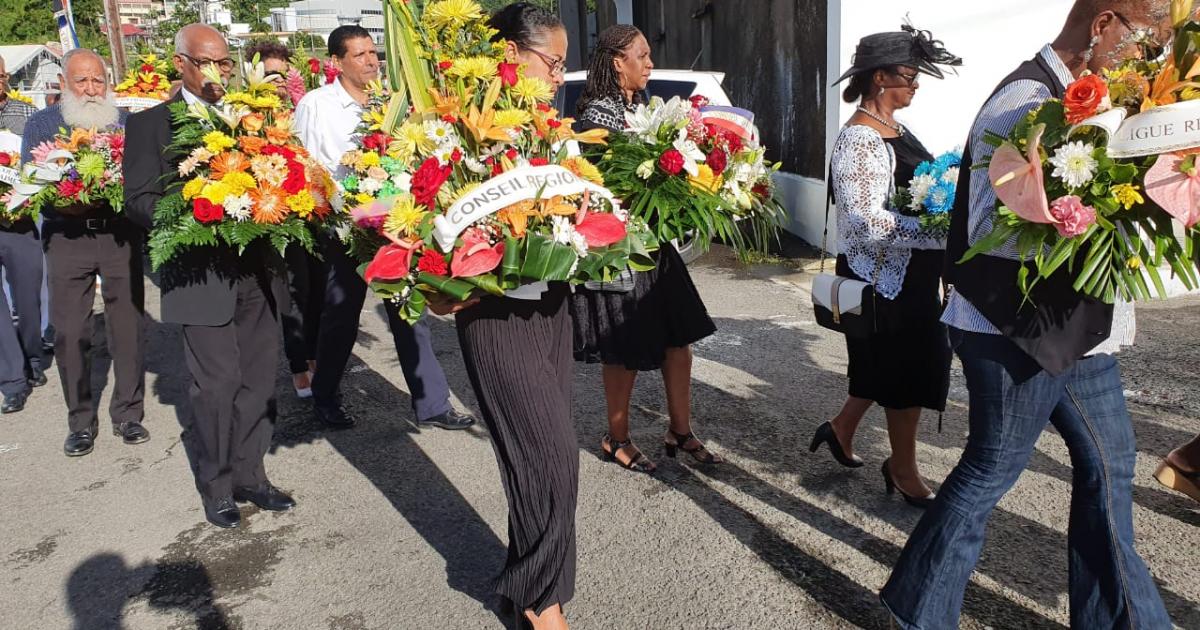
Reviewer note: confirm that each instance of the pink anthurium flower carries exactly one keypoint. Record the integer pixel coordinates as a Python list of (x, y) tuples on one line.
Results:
[(1019, 181), (391, 262), (476, 256), (601, 229), (1174, 184)]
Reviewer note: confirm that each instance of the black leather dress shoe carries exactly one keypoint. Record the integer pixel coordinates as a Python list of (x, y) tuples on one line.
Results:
[(80, 443), (14, 403), (451, 421), (37, 377), (223, 513), (333, 416), (131, 432), (266, 497)]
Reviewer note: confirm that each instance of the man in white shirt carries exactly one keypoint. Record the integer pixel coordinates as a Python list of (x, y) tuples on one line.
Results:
[(326, 120)]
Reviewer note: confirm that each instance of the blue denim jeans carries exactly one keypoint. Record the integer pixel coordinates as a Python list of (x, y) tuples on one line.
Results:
[(1011, 401)]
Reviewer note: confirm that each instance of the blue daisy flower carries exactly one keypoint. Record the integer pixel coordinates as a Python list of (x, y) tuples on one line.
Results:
[(941, 198), (924, 168), (947, 160)]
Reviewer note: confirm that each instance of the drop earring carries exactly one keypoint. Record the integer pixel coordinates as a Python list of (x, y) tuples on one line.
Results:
[(1090, 53), (882, 91)]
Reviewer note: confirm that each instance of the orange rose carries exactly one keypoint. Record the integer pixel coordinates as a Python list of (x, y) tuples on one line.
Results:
[(279, 135), (251, 145), (253, 122), (1084, 98)]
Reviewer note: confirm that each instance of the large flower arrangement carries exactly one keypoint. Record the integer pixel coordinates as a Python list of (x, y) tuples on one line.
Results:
[(148, 80), (245, 175), (1122, 198), (691, 170), (930, 194), (10, 175), (474, 191), (73, 172)]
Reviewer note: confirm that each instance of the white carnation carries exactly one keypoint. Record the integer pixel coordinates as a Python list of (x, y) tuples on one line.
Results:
[(403, 181), (238, 207)]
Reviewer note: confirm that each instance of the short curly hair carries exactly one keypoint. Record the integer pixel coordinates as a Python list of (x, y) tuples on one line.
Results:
[(268, 50)]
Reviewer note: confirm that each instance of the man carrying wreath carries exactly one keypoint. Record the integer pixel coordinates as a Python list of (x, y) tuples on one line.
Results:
[(1028, 365), (84, 243), (224, 301)]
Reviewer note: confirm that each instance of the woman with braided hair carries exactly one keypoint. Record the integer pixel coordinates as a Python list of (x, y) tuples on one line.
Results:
[(645, 321)]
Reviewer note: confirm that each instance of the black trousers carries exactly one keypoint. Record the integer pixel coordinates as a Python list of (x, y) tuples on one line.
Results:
[(518, 357), (20, 342), (301, 317), (345, 294), (233, 391), (75, 259)]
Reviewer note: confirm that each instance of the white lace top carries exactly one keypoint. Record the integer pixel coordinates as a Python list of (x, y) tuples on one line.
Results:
[(863, 169)]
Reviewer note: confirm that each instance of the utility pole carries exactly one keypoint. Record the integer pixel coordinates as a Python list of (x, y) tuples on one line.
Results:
[(116, 43)]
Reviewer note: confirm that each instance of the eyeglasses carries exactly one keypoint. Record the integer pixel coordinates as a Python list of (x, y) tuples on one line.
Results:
[(274, 77), (225, 65), (910, 79), (1146, 38), (557, 65)]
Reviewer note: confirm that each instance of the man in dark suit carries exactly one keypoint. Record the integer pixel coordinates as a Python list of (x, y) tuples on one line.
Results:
[(225, 302), (83, 243)]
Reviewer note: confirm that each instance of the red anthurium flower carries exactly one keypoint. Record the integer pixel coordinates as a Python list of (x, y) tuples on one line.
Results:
[(508, 73), (391, 262), (601, 229), (476, 256), (538, 161)]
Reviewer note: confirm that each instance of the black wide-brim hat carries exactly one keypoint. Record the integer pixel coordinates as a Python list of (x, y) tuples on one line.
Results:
[(907, 47)]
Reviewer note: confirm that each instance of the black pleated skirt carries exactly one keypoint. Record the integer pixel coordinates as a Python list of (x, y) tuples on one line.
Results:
[(908, 367), (518, 358), (634, 329)]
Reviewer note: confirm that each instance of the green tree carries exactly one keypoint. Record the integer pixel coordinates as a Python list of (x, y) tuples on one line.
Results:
[(32, 22), (256, 13), (313, 44)]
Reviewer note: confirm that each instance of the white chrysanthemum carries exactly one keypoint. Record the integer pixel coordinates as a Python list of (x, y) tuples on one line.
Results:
[(369, 186), (403, 181), (918, 188), (1074, 164), (238, 207), (579, 242), (475, 166), (561, 230), (440, 132), (646, 169), (951, 175)]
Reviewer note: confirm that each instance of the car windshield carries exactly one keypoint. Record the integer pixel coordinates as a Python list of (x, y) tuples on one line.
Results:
[(657, 87)]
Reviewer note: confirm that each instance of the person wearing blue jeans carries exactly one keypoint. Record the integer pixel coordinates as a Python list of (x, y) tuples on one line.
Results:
[(1046, 358)]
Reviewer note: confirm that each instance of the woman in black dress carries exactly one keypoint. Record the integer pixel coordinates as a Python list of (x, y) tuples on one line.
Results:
[(649, 321), (906, 368), (517, 351)]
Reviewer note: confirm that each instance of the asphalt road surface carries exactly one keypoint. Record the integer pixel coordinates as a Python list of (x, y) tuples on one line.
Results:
[(404, 528)]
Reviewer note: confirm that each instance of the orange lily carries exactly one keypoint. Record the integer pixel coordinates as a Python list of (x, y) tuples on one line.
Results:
[(479, 123)]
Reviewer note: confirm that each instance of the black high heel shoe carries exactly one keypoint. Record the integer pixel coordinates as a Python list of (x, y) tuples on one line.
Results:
[(825, 435), (890, 484)]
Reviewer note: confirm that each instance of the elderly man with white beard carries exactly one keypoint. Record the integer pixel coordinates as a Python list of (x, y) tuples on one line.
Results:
[(84, 242)]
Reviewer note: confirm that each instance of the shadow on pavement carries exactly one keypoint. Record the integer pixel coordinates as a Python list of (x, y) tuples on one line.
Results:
[(99, 589)]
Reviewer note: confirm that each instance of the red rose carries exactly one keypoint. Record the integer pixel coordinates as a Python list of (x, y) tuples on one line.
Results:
[(717, 161), (508, 73), (206, 211), (601, 229), (314, 65), (391, 262), (1084, 97), (69, 188), (377, 141), (456, 156), (5, 159), (434, 263), (671, 161), (538, 161), (295, 180), (761, 190), (428, 180)]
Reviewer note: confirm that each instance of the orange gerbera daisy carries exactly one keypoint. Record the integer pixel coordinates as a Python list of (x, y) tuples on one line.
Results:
[(278, 135), (80, 137), (251, 145), (228, 162), (269, 205)]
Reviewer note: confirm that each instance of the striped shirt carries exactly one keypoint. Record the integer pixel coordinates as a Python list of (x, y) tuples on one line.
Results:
[(1000, 115), (14, 113)]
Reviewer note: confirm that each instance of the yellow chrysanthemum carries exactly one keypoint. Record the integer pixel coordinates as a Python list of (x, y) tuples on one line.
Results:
[(193, 188), (216, 192), (1127, 195), (512, 118), (366, 161), (238, 183), (477, 68), (302, 203), (266, 101), (410, 139), (363, 198), (404, 218), (463, 191), (584, 169), (451, 13), (216, 142), (705, 179), (531, 90)]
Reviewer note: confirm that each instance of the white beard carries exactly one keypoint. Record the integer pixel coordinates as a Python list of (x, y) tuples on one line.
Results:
[(88, 112)]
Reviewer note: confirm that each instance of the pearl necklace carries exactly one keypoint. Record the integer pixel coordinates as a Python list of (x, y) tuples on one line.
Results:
[(897, 127)]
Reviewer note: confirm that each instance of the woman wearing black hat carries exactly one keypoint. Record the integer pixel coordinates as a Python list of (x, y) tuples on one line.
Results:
[(908, 367)]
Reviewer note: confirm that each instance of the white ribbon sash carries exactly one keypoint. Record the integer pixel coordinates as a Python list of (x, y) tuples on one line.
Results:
[(515, 186), (39, 176), (9, 176), (1160, 130), (136, 103)]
